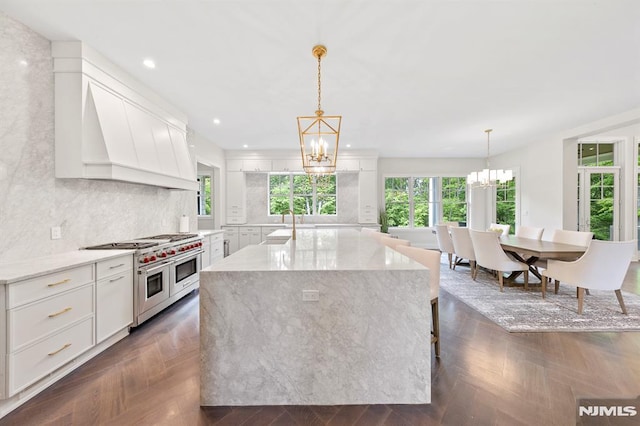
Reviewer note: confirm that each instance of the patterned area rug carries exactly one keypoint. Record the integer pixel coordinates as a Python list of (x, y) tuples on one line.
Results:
[(518, 311)]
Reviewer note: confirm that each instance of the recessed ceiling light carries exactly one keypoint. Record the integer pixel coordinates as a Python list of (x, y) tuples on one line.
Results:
[(216, 121), (23, 62), (245, 146), (348, 145), (149, 63)]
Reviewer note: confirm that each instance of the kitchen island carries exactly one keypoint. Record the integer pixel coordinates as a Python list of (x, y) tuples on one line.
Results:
[(331, 318)]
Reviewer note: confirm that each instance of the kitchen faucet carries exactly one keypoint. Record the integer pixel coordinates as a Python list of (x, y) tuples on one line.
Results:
[(293, 215)]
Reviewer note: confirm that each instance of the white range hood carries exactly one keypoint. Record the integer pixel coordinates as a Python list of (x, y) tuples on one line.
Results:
[(110, 126)]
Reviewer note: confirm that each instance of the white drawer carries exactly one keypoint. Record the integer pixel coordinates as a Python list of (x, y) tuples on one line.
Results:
[(31, 322), (109, 267), (216, 237), (234, 212), (217, 249), (48, 285), (231, 219), (36, 361)]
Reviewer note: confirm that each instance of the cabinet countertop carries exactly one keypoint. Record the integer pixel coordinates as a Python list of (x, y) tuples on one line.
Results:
[(35, 267), (206, 232)]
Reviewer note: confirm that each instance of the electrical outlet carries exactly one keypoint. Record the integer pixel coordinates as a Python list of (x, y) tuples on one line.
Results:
[(56, 232), (310, 295)]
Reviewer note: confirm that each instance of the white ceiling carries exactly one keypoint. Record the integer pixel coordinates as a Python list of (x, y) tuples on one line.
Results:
[(411, 78)]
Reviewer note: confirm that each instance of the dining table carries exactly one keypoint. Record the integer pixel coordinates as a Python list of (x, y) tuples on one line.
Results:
[(529, 251)]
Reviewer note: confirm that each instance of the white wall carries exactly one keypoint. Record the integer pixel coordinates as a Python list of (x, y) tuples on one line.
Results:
[(32, 200), (548, 174)]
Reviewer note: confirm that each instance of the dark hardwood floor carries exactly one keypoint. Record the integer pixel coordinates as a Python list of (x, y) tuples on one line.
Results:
[(485, 376)]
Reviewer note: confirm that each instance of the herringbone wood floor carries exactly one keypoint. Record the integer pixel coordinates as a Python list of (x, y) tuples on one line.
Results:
[(486, 376)]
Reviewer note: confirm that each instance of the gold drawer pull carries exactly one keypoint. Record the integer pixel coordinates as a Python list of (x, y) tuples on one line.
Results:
[(59, 282), (60, 313), (59, 350), (116, 266)]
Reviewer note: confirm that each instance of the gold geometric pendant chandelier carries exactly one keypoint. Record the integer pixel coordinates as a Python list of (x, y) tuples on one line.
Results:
[(319, 135)]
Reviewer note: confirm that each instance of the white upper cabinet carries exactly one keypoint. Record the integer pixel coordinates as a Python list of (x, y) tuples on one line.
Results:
[(252, 165), (347, 165), (110, 126), (287, 165)]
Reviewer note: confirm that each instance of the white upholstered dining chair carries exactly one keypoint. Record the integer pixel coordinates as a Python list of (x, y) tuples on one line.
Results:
[(602, 267), (490, 255), (497, 226), (463, 249), (529, 232), (445, 243), (394, 242), (430, 259), (575, 238)]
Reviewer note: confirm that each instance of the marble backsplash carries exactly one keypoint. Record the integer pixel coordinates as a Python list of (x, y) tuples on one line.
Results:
[(32, 200), (257, 193)]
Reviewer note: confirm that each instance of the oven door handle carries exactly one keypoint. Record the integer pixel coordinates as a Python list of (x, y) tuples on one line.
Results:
[(186, 256), (154, 268)]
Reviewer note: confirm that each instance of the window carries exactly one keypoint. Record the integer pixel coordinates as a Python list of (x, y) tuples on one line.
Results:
[(506, 204), (396, 201), (454, 200), (302, 194), (204, 195), (595, 154), (420, 202)]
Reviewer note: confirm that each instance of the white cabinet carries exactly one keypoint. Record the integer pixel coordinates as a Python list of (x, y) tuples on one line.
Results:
[(249, 235), (114, 296), (368, 197), (213, 246), (206, 252), (50, 321), (256, 166), (369, 164), (236, 198), (217, 247), (347, 165), (251, 165), (287, 165)]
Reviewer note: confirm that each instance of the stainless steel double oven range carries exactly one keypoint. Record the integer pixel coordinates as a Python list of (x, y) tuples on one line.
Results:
[(167, 269)]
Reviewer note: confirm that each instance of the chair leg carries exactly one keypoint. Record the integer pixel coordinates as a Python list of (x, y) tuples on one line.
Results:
[(526, 280), (450, 259), (557, 286), (455, 262), (621, 301), (474, 269), (500, 280), (543, 285), (580, 299), (435, 339)]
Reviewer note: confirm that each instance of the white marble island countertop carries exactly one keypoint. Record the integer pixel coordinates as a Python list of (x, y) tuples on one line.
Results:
[(313, 250), (331, 318)]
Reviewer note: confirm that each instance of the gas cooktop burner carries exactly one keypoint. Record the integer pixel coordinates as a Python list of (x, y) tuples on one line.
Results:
[(132, 245), (170, 237)]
